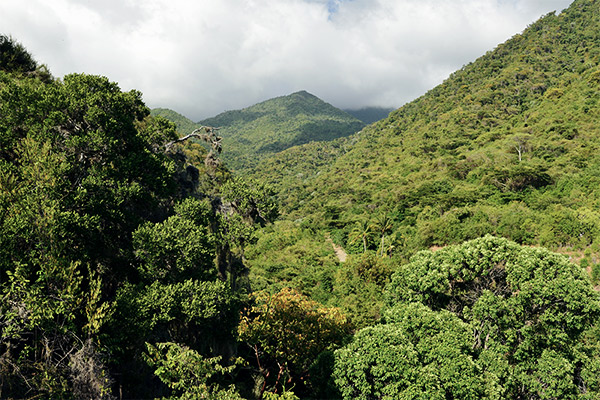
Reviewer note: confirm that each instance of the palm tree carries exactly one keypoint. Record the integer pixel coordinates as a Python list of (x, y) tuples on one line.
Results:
[(362, 231), (384, 224)]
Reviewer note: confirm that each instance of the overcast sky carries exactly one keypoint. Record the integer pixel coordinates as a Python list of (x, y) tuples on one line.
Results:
[(206, 56)]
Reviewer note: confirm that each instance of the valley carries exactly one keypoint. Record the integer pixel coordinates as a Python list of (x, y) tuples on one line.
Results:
[(448, 249)]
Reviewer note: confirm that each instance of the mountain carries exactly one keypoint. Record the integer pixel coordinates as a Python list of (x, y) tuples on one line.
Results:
[(508, 145), (274, 125), (289, 170), (369, 115)]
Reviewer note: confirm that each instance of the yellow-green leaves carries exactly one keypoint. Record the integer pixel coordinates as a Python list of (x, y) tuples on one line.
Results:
[(287, 332)]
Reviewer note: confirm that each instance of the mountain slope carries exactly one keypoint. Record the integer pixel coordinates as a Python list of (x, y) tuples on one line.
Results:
[(508, 145), (277, 124), (368, 115), (184, 124)]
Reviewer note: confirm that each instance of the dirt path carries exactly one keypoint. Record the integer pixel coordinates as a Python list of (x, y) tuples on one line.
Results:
[(339, 251)]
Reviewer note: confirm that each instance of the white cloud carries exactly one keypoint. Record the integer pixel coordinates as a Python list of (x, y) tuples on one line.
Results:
[(202, 57)]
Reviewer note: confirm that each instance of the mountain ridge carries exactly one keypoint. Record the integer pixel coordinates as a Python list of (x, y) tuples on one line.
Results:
[(255, 132), (276, 124), (184, 124), (368, 115)]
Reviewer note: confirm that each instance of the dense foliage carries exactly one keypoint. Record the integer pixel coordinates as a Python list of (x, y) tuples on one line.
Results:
[(135, 264), (111, 249), (417, 354), (485, 319), (81, 169), (508, 145)]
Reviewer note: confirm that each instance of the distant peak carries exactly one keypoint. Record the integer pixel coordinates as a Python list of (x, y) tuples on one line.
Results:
[(303, 93)]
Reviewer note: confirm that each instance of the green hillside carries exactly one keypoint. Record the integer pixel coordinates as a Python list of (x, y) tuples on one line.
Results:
[(277, 124), (403, 260), (184, 124), (507, 145)]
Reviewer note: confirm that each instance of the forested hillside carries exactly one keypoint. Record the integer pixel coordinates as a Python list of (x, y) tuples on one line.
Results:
[(184, 125), (401, 262), (255, 132), (507, 145)]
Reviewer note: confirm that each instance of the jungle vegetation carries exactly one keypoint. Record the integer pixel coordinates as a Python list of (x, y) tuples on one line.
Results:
[(448, 251)]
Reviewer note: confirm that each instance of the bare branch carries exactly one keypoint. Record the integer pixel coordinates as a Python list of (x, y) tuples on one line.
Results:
[(205, 133)]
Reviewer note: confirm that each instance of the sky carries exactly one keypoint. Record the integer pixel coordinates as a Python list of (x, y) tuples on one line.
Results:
[(202, 57)]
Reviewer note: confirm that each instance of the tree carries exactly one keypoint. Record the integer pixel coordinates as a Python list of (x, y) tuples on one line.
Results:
[(209, 135), (107, 241), (521, 144), (358, 285), (89, 209), (524, 313), (362, 231), (416, 354), (242, 206), (188, 373), (179, 247), (14, 58), (384, 225), (286, 332), (81, 169)]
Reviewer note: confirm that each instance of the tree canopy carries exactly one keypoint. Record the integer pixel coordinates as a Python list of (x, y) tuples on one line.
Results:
[(484, 319)]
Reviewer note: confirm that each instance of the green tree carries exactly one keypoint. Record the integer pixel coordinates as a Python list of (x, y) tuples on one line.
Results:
[(14, 58), (358, 285), (81, 169), (242, 207), (416, 354), (384, 225), (180, 247), (188, 373), (525, 313), (362, 231), (107, 240)]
